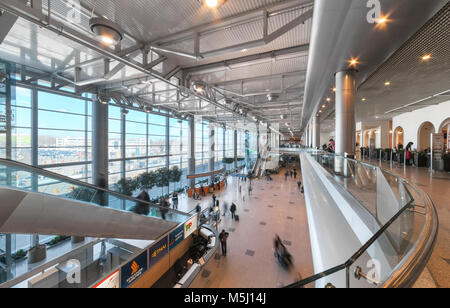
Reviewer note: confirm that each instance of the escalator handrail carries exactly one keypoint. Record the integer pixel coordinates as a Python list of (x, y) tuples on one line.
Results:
[(66, 179)]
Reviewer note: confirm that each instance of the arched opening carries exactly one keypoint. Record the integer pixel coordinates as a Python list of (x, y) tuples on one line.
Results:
[(424, 136), (445, 129), (398, 137)]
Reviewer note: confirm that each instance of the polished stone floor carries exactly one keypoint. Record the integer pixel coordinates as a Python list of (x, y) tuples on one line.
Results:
[(437, 185), (278, 208), (275, 207)]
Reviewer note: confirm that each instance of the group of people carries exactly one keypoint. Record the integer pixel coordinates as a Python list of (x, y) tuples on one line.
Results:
[(291, 173)]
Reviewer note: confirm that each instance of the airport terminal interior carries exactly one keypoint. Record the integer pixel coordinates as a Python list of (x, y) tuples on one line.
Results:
[(224, 144)]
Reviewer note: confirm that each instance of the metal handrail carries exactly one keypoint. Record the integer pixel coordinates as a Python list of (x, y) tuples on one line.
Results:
[(410, 268), (65, 179)]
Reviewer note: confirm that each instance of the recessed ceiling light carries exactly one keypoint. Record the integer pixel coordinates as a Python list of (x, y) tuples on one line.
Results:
[(426, 57), (328, 99), (387, 83), (353, 62), (214, 3), (323, 106), (334, 89), (244, 50), (364, 99)]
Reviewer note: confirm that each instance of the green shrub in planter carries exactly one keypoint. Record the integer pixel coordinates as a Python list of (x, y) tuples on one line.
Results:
[(126, 186), (19, 255)]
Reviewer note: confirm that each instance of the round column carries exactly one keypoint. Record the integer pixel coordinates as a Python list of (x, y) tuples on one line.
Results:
[(345, 113)]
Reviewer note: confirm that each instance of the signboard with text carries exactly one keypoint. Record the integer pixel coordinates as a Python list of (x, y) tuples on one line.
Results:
[(176, 237), (158, 251), (190, 226), (110, 282), (133, 270), (437, 141)]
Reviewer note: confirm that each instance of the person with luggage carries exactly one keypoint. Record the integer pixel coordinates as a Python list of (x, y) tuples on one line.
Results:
[(223, 237), (233, 209)]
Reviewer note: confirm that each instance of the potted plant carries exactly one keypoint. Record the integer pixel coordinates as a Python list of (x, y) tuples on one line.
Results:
[(38, 252), (175, 175), (228, 161), (147, 180), (162, 178), (126, 186)]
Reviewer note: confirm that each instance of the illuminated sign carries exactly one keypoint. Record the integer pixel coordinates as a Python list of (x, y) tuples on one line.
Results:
[(133, 270), (158, 251), (190, 226), (111, 282), (176, 237)]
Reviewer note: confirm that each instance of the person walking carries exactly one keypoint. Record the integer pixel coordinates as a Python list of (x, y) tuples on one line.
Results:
[(175, 200), (225, 208), (295, 174), (299, 184), (286, 175), (233, 209), (214, 199), (223, 237), (250, 189)]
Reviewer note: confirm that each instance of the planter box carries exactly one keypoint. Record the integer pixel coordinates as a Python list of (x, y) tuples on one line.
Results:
[(420, 160), (447, 163)]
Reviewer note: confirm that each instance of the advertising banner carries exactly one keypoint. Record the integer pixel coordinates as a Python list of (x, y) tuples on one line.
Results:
[(437, 141), (111, 282), (158, 251), (133, 270), (176, 237), (190, 226)]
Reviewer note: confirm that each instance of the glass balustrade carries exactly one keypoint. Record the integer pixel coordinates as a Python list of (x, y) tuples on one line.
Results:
[(404, 235), (23, 177)]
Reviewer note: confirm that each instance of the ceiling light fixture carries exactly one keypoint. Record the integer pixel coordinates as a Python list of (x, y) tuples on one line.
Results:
[(364, 99), (426, 57), (106, 30), (199, 86), (328, 99), (387, 83), (212, 4)]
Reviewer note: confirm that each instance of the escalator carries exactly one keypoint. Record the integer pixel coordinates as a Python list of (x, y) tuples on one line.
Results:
[(36, 201)]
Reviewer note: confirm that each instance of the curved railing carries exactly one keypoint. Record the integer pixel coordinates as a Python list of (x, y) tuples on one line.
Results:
[(411, 231)]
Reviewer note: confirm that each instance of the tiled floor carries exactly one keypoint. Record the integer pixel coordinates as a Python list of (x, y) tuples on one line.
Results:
[(250, 260), (437, 185)]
